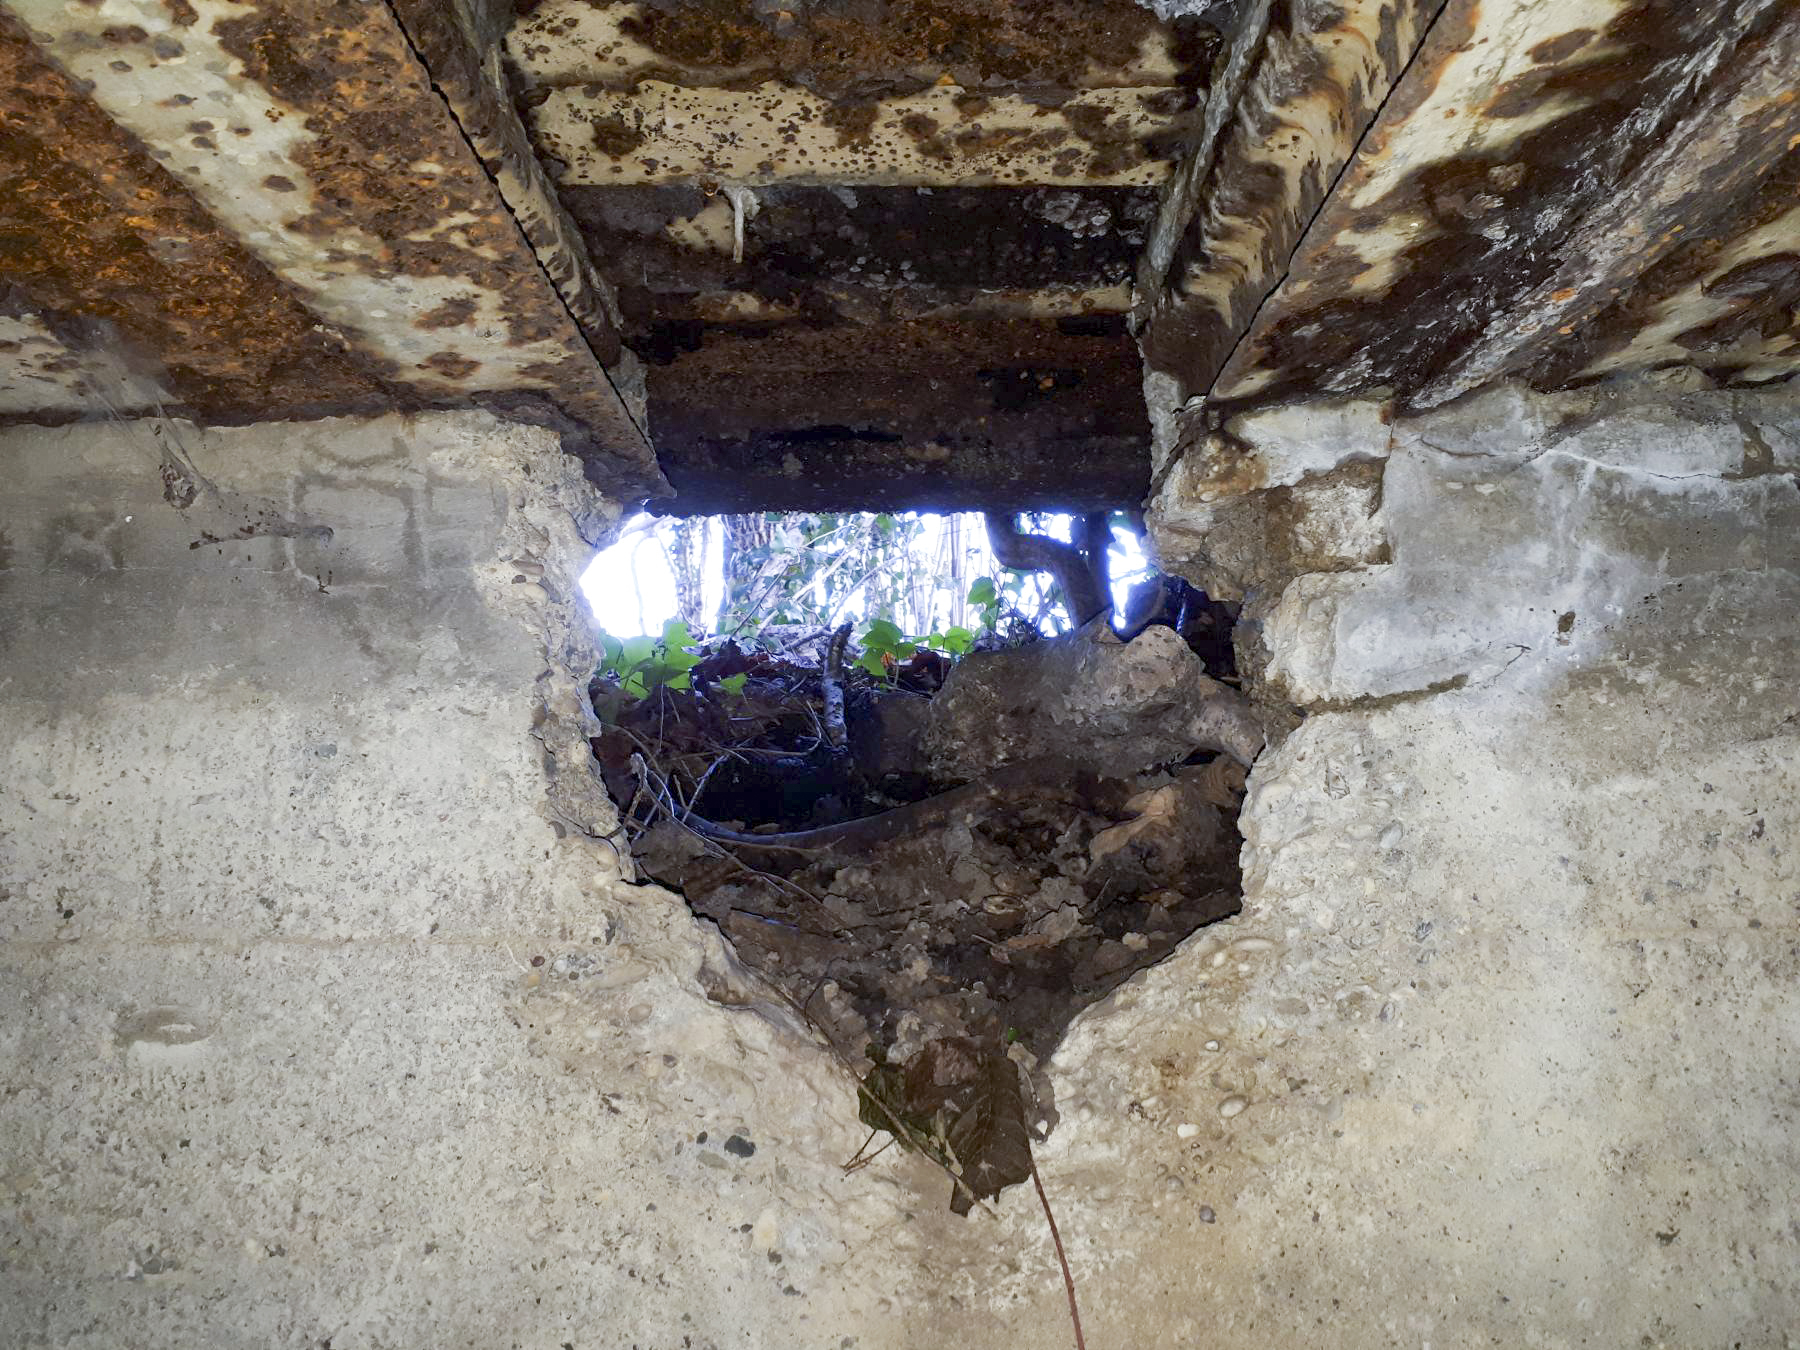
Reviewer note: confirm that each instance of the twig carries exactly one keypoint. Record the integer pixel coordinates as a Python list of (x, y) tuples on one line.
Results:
[(1062, 1259), (831, 680), (700, 787), (1052, 778), (661, 799), (857, 1163)]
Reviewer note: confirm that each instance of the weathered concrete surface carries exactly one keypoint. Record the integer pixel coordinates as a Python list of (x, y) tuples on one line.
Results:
[(276, 862), (1499, 1052)]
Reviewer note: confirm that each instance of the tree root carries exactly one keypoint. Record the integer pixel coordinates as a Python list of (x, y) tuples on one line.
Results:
[(1035, 553), (1047, 779), (831, 681)]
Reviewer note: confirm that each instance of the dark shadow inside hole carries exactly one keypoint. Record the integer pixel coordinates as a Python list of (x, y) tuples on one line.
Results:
[(998, 919), (998, 842)]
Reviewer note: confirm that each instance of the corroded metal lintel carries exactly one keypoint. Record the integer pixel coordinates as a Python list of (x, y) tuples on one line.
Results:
[(465, 65), (927, 414), (286, 173), (1308, 89), (944, 136), (1555, 191), (1711, 162), (848, 473)]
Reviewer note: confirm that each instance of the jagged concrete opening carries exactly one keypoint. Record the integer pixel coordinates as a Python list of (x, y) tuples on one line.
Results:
[(326, 1022), (938, 846)]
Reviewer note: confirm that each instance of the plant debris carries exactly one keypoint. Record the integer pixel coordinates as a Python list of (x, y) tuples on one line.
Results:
[(944, 878)]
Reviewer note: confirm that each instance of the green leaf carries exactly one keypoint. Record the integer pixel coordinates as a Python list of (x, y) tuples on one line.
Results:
[(733, 684), (610, 651), (633, 685), (957, 641), (675, 635), (882, 633), (983, 592), (681, 681), (871, 662), (635, 652)]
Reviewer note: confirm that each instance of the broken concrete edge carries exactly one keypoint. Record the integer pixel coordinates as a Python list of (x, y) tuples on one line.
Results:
[(1293, 513), (523, 408), (557, 519)]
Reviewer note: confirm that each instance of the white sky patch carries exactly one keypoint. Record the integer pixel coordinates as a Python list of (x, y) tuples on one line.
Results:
[(630, 585)]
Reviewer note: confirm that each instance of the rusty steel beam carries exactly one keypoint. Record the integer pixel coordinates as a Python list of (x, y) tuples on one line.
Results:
[(204, 179), (943, 136), (461, 47), (1556, 191), (926, 414), (1313, 75)]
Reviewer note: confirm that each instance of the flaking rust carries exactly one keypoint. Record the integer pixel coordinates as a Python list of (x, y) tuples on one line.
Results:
[(94, 231), (278, 209), (1552, 201)]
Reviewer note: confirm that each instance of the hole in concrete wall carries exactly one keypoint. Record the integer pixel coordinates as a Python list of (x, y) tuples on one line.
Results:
[(740, 575), (922, 847)]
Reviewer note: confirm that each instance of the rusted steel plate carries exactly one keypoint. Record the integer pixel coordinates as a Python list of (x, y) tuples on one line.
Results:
[(926, 413), (913, 91), (466, 66), (667, 133), (310, 136), (1726, 299), (1320, 75), (845, 236), (1713, 207), (1550, 190), (867, 253), (109, 257), (851, 52)]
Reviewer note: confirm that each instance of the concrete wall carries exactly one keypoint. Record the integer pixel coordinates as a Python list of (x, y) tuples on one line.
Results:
[(277, 1067), (1500, 1052), (1503, 1048)]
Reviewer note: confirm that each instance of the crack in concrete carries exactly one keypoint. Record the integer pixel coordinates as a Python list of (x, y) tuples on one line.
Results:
[(1450, 684)]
